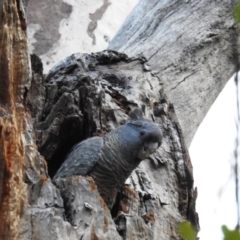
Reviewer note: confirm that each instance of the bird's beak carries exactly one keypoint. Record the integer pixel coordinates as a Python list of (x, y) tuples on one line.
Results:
[(151, 147), (148, 149)]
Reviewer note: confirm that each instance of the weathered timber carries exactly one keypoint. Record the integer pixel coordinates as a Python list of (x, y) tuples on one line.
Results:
[(89, 95), (189, 47), (14, 81)]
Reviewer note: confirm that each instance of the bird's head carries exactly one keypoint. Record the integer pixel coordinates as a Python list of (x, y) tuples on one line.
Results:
[(148, 136)]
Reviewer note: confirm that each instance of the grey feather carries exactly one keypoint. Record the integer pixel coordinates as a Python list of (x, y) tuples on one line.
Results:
[(111, 159), (82, 158)]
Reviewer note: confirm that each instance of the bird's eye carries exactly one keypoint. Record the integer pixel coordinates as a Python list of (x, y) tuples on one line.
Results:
[(142, 133)]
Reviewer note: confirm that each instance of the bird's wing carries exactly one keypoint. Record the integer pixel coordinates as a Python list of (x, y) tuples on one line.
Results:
[(82, 158)]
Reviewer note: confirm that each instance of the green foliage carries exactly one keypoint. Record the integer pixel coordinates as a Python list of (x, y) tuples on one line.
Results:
[(236, 11), (186, 231), (230, 234)]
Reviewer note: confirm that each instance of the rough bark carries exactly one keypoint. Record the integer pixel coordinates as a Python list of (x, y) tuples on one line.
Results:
[(90, 94), (15, 76), (188, 46), (72, 103)]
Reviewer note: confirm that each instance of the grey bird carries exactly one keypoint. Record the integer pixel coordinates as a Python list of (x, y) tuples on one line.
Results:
[(109, 160)]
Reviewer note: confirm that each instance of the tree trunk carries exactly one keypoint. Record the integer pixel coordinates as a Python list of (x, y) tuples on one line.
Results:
[(189, 46), (91, 94)]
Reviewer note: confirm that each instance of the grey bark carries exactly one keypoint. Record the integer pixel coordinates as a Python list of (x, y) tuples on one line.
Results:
[(188, 46), (90, 94)]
